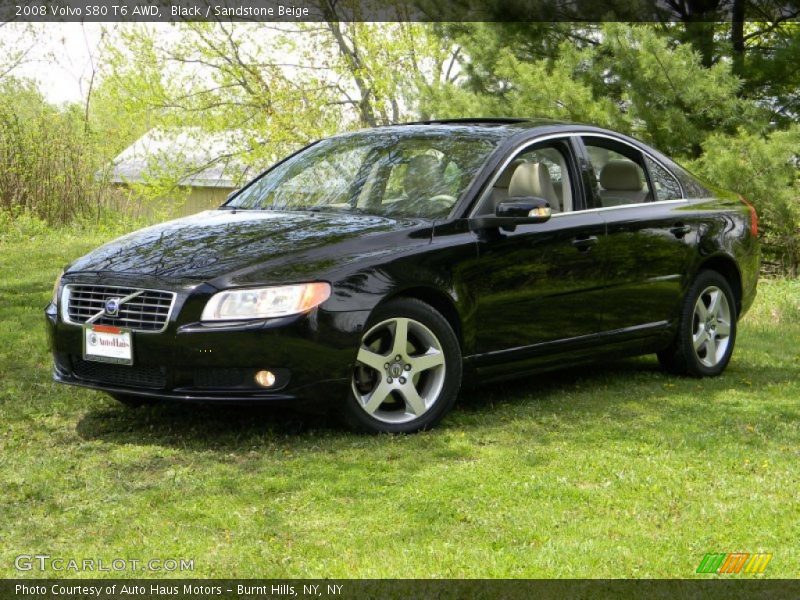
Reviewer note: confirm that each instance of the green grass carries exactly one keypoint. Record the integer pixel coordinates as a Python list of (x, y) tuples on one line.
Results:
[(611, 471)]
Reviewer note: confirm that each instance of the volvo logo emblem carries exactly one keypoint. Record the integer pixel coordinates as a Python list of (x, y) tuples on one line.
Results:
[(396, 369), (112, 307)]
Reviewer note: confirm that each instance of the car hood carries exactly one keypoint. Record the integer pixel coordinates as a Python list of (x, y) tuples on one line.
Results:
[(221, 243)]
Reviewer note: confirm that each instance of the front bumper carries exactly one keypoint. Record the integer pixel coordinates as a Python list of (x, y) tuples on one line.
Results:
[(312, 356)]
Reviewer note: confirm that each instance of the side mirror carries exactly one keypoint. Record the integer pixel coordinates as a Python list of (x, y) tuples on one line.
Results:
[(517, 210), (524, 209)]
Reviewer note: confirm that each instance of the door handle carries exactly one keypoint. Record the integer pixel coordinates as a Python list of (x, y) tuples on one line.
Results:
[(679, 230), (584, 244)]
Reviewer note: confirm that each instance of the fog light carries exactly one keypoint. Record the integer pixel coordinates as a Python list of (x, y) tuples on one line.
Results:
[(265, 378)]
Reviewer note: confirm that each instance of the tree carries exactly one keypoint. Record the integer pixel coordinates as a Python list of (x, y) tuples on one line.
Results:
[(17, 41), (278, 85), (763, 169), (627, 77)]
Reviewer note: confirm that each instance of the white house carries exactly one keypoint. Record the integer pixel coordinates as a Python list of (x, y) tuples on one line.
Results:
[(203, 165)]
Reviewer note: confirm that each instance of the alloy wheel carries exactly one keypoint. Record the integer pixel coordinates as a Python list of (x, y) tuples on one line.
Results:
[(400, 370), (711, 326)]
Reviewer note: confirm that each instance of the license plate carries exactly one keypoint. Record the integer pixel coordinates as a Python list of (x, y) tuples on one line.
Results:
[(104, 343)]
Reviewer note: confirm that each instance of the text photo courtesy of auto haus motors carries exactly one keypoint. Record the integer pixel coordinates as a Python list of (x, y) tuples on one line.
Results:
[(387, 298)]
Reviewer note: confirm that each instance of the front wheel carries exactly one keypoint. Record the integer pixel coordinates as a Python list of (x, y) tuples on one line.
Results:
[(707, 329), (407, 372)]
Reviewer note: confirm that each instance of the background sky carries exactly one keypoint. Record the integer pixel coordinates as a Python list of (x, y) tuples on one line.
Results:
[(61, 59)]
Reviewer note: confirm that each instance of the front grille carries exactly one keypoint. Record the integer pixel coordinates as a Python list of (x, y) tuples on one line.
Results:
[(148, 311), (122, 375)]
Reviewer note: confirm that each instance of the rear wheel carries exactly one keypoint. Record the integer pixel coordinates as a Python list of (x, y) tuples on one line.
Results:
[(407, 372), (707, 329)]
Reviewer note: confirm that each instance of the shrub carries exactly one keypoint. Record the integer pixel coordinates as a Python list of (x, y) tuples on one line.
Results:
[(47, 160), (762, 169)]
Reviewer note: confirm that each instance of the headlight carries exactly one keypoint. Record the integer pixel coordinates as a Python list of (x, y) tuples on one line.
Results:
[(56, 285), (264, 303)]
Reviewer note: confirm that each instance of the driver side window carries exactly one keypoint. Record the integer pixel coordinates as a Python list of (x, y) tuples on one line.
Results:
[(541, 172)]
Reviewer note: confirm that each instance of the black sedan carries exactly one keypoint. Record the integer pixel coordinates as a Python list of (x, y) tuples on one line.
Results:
[(382, 269)]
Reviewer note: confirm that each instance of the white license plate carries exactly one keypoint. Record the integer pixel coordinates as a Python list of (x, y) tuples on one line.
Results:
[(104, 343)]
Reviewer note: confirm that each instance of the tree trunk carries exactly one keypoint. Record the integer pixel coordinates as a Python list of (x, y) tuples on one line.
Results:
[(353, 61), (701, 36), (698, 18), (737, 37)]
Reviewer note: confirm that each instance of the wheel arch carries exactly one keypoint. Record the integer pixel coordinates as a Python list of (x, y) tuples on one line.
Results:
[(727, 267), (439, 300)]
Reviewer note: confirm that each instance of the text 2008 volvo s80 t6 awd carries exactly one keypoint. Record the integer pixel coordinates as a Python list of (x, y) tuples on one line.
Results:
[(379, 269)]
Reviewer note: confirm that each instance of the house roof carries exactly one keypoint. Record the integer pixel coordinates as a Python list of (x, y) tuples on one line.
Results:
[(200, 159)]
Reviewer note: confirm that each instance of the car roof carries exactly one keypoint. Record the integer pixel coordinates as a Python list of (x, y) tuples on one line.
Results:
[(499, 125), (508, 127), (496, 127), (521, 123), (507, 130)]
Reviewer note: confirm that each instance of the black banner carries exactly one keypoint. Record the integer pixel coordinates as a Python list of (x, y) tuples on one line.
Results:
[(406, 589), (398, 10)]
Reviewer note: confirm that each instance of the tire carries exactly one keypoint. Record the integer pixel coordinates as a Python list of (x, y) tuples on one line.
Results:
[(132, 401), (706, 334), (408, 383)]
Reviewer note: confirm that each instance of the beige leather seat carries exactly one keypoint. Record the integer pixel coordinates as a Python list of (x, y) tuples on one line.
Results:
[(621, 183), (533, 179), (499, 191)]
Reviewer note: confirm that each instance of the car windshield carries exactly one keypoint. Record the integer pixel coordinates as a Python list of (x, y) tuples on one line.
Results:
[(387, 173)]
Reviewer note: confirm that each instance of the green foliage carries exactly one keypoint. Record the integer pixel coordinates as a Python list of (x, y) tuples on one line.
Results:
[(667, 96), (22, 226), (47, 166), (18, 225), (763, 170), (766, 66), (275, 88), (538, 88), (626, 77)]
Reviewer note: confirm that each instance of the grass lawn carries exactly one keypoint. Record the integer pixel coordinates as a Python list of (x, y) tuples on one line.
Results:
[(609, 471)]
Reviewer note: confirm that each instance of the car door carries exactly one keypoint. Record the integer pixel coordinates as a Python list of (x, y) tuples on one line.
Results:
[(541, 284), (649, 235)]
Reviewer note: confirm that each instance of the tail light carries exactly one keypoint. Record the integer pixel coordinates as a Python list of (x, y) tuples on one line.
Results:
[(753, 216)]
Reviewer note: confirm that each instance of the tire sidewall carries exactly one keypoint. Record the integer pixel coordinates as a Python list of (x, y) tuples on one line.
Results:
[(433, 320)]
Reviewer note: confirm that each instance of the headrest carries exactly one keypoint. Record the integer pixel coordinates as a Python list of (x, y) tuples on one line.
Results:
[(531, 179), (423, 172), (620, 175), (505, 177)]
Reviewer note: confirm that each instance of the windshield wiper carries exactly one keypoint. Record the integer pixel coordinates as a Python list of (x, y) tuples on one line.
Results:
[(334, 209)]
